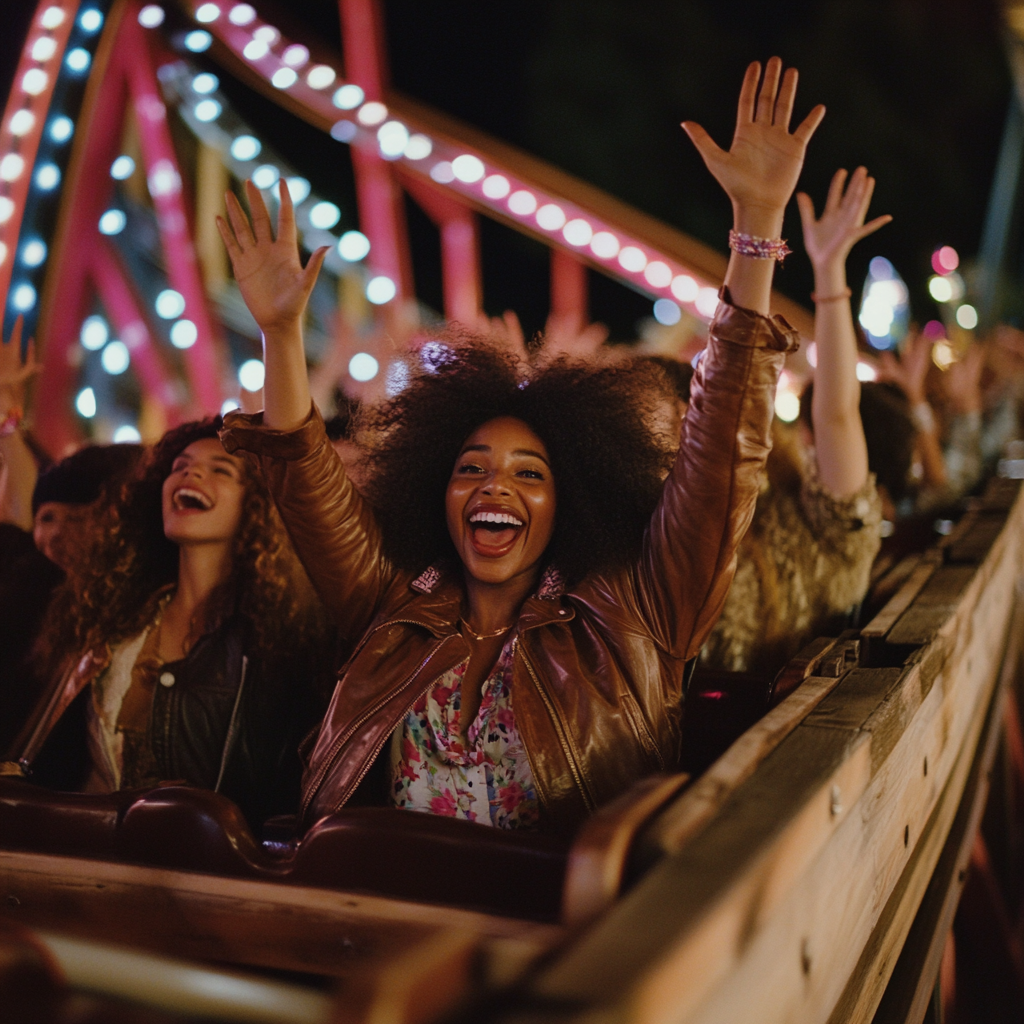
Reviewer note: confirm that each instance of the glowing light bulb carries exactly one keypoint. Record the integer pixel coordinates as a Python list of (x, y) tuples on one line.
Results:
[(707, 301), (945, 260), (550, 217), (115, 358), (94, 333), (206, 13), (320, 77), (604, 245), (632, 259), (22, 122), (468, 168), (47, 177), (667, 312), (164, 179), (442, 172), (85, 403), (419, 147), (33, 253), (90, 20), (353, 246), (246, 147), (380, 290), (122, 168), (242, 14), (967, 317), (184, 334), (324, 215), (113, 222), (363, 367), (255, 49), (251, 375), (44, 48), (11, 167), (126, 434), (23, 298), (522, 203), (372, 113), (295, 55), (658, 274), (6, 209), (205, 83), (78, 60), (684, 288), (496, 186), (787, 405), (62, 128), (283, 78), (53, 17), (267, 34), (343, 131), (198, 41), (265, 176), (151, 16), (348, 97), (207, 110), (34, 81), (169, 304), (940, 289), (392, 137), (298, 189), (230, 405), (866, 372)]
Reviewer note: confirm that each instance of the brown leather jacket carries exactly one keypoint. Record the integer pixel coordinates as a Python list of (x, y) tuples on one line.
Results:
[(598, 670)]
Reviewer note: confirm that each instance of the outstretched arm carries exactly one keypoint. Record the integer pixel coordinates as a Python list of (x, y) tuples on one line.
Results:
[(759, 171), (838, 431), (17, 465), (276, 288)]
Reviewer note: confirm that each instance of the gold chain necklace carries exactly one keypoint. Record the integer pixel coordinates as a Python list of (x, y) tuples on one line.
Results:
[(486, 636)]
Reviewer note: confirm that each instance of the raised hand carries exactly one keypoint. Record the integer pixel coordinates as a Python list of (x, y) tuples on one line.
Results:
[(15, 372), (268, 271), (828, 240), (910, 370), (761, 168), (567, 334)]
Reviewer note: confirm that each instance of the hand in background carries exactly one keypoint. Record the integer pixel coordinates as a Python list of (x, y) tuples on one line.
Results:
[(829, 239), (908, 371), (15, 372), (962, 381)]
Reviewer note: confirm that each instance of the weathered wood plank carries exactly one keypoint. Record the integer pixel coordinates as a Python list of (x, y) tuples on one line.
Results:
[(237, 921), (901, 600), (933, 606), (766, 912)]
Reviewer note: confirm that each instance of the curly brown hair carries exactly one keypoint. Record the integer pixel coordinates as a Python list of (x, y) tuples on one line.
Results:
[(594, 421), (130, 561)]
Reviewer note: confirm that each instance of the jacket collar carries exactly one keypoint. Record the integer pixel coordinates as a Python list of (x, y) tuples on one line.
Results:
[(440, 595)]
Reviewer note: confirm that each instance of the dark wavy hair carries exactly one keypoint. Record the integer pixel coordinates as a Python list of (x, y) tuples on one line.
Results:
[(130, 561), (594, 421)]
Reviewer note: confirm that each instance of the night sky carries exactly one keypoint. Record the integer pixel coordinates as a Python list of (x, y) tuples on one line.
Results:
[(916, 89)]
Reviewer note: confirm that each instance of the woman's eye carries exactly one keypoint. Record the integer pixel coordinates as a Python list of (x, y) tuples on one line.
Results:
[(531, 473), (469, 467)]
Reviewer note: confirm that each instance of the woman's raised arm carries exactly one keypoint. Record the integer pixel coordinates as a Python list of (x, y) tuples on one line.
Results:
[(276, 288), (842, 452)]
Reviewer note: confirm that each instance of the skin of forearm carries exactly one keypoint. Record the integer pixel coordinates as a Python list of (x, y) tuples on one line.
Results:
[(18, 480), (750, 280), (286, 395), (838, 432)]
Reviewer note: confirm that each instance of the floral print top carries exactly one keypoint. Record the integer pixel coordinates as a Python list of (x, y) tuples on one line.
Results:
[(487, 779)]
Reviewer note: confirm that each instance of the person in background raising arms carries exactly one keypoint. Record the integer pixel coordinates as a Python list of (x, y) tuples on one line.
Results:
[(807, 558), (520, 629)]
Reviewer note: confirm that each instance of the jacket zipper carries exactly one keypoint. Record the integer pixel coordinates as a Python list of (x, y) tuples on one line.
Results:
[(574, 766), (232, 726), (335, 750)]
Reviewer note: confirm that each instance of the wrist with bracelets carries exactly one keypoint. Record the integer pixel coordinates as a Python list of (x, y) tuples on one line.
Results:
[(758, 248)]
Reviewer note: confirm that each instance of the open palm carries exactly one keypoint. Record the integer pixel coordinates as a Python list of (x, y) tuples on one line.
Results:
[(268, 270), (841, 225), (761, 167)]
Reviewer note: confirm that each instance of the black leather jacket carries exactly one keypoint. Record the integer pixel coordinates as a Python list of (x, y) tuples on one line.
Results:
[(221, 720)]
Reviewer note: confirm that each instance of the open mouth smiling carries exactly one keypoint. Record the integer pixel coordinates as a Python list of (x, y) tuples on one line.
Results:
[(494, 531), (188, 499)]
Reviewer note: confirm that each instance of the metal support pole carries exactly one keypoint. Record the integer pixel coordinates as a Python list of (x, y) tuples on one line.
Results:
[(568, 286)]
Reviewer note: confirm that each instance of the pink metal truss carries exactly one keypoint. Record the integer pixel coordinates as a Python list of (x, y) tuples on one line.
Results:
[(124, 74), (29, 99)]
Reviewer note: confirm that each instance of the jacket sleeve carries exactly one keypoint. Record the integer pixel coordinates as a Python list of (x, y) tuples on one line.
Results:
[(332, 527), (689, 553)]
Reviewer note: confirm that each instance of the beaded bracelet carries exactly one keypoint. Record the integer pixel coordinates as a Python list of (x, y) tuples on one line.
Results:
[(758, 248), (838, 297)]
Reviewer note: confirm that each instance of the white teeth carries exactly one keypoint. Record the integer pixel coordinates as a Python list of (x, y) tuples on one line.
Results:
[(495, 517), (192, 496)]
